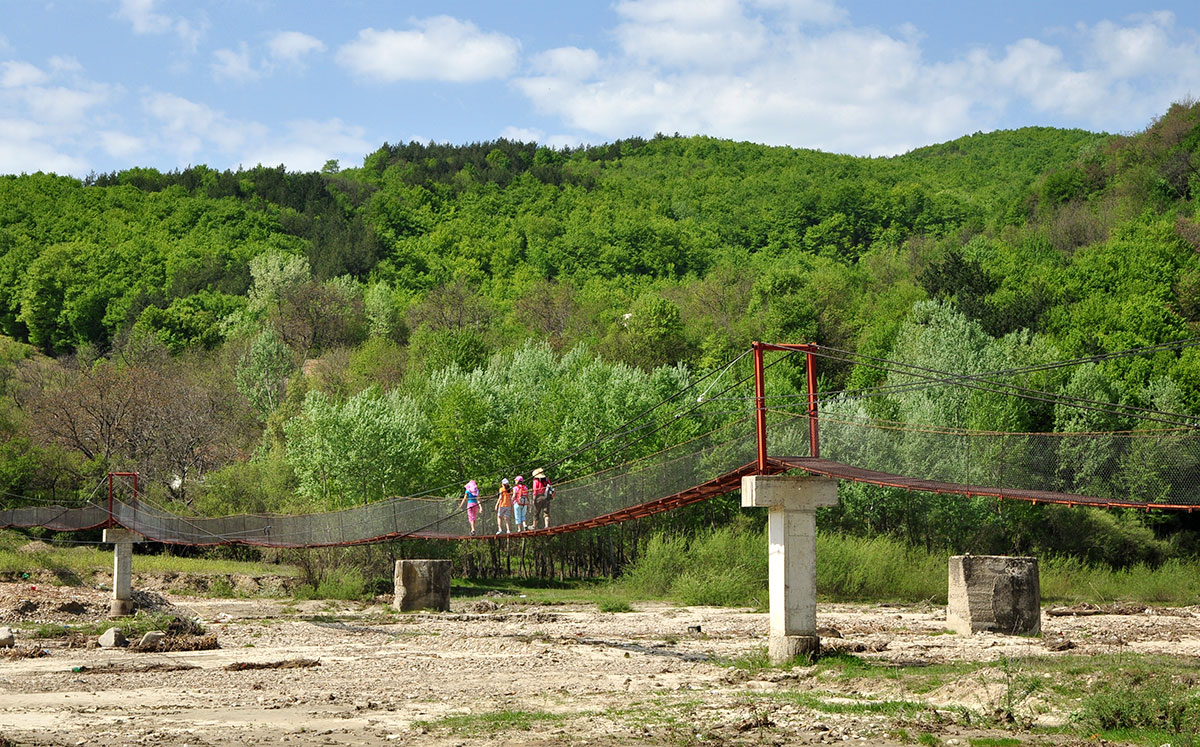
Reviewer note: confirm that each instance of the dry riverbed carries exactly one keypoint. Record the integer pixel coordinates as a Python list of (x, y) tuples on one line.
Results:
[(498, 670)]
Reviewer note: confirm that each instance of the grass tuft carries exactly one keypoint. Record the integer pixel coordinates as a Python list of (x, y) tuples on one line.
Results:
[(491, 723), (614, 604)]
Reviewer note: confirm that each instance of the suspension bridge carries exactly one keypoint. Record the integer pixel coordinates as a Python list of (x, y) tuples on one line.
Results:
[(1153, 466)]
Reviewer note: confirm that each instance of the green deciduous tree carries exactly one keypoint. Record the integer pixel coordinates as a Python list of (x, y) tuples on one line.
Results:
[(368, 447), (262, 371)]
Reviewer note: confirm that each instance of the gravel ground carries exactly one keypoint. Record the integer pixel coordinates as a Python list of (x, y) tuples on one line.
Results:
[(557, 674)]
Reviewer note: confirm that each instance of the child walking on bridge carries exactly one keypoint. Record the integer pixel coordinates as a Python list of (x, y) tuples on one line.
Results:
[(471, 500), (520, 501), (504, 509)]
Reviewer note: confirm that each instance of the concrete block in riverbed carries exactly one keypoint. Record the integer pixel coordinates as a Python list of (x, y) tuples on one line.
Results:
[(422, 585), (994, 593)]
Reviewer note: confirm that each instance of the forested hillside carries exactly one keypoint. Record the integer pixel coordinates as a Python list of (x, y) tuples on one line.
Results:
[(262, 340)]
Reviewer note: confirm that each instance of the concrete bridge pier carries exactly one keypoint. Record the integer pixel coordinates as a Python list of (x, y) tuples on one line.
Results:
[(792, 503), (122, 541)]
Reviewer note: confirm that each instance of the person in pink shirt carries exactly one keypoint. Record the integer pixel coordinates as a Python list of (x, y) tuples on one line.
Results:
[(471, 500), (520, 501), (542, 493)]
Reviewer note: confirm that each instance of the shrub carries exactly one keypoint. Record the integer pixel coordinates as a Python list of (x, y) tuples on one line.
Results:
[(338, 583), (614, 605), (728, 567), (1137, 702)]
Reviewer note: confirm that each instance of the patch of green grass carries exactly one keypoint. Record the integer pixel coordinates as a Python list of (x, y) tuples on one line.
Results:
[(878, 569), (864, 705), (492, 723), (673, 721), (723, 567), (995, 742), (755, 662), (82, 560), (1126, 697), (221, 589), (132, 627), (537, 590), (727, 567), (614, 605), (1135, 704), (1067, 580), (928, 740), (345, 583)]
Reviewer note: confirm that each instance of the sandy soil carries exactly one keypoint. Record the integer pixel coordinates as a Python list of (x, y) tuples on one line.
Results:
[(590, 677)]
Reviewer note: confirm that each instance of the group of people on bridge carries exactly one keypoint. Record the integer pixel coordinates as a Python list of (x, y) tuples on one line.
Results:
[(516, 503)]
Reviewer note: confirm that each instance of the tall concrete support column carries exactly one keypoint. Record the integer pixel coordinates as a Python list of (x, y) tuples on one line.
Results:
[(792, 503), (122, 541)]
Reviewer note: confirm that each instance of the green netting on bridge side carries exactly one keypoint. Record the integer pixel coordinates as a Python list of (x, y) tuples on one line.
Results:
[(638, 482), (1151, 466), (60, 518), (1148, 467)]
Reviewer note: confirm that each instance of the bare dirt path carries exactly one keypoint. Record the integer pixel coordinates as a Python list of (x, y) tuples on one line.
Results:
[(502, 671)]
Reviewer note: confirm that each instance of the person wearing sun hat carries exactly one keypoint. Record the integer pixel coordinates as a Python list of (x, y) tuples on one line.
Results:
[(542, 493)]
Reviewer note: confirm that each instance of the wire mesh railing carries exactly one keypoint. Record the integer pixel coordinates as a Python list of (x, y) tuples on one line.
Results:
[(1153, 466), (577, 501)]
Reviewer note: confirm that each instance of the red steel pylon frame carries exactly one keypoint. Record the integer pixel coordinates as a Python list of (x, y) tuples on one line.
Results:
[(760, 397)]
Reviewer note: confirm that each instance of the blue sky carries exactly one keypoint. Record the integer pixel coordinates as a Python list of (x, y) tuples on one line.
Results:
[(109, 84)]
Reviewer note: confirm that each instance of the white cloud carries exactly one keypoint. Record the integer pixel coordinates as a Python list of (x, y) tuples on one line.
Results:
[(521, 134), (140, 13), (440, 48), (49, 115), (55, 119), (67, 65), (567, 62), (796, 72), (144, 19), (308, 145), (20, 74), (682, 33), (806, 11), (292, 46), (1141, 49), (282, 48), (234, 65), (189, 128), (64, 107), (21, 151), (121, 145)]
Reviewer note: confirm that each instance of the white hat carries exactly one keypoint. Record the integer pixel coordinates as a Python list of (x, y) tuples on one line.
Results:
[(504, 481), (538, 472)]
